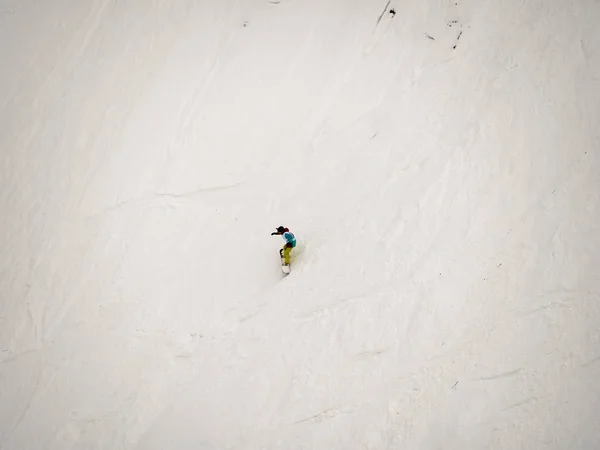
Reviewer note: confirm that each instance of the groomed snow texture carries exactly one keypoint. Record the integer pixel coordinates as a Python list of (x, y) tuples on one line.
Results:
[(438, 161)]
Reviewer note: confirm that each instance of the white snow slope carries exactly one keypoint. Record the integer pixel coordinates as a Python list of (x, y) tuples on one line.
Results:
[(440, 168)]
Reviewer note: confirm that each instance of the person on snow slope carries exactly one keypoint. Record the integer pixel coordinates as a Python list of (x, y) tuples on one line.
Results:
[(290, 243)]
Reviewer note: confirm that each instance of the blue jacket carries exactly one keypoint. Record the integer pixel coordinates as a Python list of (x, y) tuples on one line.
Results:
[(289, 237)]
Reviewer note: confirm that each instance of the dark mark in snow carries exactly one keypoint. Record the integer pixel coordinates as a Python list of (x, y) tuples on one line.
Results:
[(429, 37), (457, 38), (521, 403), (384, 10), (322, 416), (500, 375), (454, 385)]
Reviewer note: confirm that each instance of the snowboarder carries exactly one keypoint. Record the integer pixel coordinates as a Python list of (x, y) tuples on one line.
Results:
[(290, 243)]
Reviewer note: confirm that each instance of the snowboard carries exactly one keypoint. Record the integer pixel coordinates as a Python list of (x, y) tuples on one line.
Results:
[(284, 268)]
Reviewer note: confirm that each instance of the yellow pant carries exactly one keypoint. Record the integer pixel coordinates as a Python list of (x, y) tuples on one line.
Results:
[(286, 253)]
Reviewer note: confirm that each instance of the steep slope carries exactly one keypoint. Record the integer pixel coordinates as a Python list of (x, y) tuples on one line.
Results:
[(439, 165)]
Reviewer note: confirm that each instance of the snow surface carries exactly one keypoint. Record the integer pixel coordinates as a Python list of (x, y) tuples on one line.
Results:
[(440, 168)]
